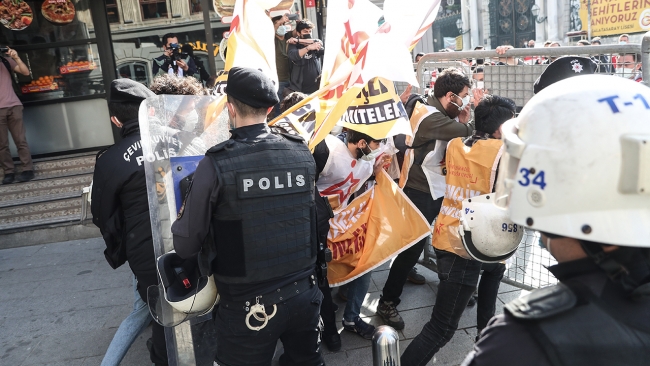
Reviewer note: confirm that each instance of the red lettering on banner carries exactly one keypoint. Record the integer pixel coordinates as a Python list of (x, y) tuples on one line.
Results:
[(350, 246)]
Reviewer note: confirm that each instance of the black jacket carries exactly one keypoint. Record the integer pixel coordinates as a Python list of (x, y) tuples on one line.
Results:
[(513, 339), (120, 207)]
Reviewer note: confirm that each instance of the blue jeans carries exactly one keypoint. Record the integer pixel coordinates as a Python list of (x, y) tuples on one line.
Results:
[(357, 291), (458, 279), (129, 330)]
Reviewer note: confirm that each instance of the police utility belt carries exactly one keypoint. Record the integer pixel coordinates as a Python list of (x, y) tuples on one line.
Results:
[(256, 307)]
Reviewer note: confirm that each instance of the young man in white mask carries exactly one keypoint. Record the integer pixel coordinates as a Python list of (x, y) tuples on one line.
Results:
[(342, 168), (446, 117), (627, 67)]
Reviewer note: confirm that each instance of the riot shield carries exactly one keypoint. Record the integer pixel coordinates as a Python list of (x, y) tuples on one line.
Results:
[(174, 127)]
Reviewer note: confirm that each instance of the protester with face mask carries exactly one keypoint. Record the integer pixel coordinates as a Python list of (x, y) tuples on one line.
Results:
[(342, 168), (627, 67), (281, 57), (304, 54), (446, 117)]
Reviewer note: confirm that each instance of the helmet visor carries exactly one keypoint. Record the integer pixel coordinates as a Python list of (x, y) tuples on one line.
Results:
[(169, 307), (514, 148)]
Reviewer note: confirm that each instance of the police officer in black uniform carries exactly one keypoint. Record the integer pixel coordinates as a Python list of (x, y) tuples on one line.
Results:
[(579, 186), (119, 200), (251, 211)]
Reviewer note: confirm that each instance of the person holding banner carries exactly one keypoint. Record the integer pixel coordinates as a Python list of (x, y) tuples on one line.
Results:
[(446, 117), (250, 211), (342, 169), (471, 171)]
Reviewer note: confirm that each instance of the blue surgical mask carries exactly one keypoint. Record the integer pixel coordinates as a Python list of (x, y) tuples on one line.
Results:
[(622, 42), (281, 31)]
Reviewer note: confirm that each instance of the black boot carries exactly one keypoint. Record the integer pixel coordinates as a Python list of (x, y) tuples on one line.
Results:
[(9, 178)]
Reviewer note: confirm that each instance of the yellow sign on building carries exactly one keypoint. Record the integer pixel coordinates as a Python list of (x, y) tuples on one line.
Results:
[(611, 17)]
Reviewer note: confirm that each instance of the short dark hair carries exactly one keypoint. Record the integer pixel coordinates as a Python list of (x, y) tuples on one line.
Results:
[(275, 19), (175, 85), (304, 24), (492, 111), (450, 80), (168, 36), (123, 111), (635, 56), (244, 109), (356, 136), (291, 100), (584, 42)]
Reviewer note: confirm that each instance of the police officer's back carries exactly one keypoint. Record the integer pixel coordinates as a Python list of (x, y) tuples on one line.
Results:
[(119, 200), (577, 163), (251, 211)]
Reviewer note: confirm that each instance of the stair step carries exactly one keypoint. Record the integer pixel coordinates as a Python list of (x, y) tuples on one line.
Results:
[(8, 227), (37, 211), (43, 198), (73, 183)]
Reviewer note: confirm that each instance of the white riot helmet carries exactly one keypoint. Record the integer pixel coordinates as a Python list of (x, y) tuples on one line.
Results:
[(183, 288), (486, 230), (577, 161)]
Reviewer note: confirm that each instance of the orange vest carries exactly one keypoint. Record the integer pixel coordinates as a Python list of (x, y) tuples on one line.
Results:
[(471, 171)]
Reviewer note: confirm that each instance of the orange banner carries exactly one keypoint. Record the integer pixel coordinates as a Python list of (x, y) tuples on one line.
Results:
[(372, 229)]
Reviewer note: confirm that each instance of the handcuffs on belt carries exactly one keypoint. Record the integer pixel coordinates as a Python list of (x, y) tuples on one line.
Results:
[(259, 309)]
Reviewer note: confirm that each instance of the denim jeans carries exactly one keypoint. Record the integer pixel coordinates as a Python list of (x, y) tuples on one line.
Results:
[(458, 279), (128, 331), (488, 288), (406, 260), (357, 291)]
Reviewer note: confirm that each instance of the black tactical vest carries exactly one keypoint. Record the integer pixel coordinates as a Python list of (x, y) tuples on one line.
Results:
[(264, 225), (574, 328)]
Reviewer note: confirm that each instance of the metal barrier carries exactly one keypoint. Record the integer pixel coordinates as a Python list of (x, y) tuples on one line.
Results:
[(515, 79)]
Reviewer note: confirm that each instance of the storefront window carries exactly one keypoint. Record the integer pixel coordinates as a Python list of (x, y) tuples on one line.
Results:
[(195, 6), (153, 9), (37, 22), (59, 72), (112, 12), (135, 71)]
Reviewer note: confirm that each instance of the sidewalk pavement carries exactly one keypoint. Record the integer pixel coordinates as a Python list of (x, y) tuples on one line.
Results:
[(61, 304)]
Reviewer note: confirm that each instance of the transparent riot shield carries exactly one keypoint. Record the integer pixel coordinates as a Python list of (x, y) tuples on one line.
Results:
[(173, 127)]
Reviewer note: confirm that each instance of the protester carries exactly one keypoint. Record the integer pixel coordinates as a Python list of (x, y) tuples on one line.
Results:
[(582, 42), (501, 50), (120, 210), (605, 66), (418, 57), (172, 61), (598, 313), (531, 43), (623, 39), (336, 161), (11, 121), (304, 54), (274, 269), (281, 57), (447, 117), (628, 66), (476, 157), (175, 85)]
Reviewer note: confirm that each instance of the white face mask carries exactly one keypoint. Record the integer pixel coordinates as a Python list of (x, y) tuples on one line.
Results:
[(624, 72), (465, 102), (480, 84), (622, 42), (281, 31), (372, 155)]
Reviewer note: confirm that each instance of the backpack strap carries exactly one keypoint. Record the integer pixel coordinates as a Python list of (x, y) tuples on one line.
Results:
[(7, 64)]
